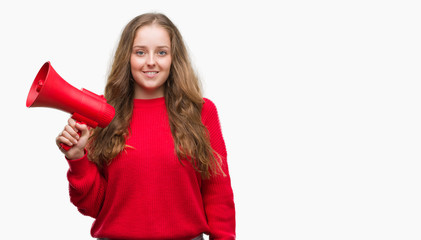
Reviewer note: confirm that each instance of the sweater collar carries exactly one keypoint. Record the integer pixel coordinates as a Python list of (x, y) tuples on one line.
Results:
[(138, 103)]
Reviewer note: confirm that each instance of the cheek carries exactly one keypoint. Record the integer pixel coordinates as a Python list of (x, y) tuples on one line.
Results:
[(135, 62), (168, 64)]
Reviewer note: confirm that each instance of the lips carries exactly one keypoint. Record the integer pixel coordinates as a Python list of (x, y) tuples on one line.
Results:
[(151, 74)]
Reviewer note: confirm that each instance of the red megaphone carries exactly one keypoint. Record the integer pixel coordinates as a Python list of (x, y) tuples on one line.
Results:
[(50, 90)]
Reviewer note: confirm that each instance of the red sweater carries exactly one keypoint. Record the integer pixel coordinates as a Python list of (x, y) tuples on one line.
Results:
[(146, 193)]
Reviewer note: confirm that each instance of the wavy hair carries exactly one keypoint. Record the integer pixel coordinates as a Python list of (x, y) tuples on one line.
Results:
[(183, 100)]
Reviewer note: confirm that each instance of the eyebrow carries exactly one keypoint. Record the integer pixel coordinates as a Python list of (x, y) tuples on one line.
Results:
[(139, 46)]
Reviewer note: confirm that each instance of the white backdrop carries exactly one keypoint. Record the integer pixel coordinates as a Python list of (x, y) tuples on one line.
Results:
[(319, 103)]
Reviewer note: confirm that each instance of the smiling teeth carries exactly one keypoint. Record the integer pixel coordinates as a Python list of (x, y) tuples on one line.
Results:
[(151, 73)]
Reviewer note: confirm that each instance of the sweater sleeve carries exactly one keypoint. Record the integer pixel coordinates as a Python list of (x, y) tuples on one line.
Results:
[(217, 192), (86, 186)]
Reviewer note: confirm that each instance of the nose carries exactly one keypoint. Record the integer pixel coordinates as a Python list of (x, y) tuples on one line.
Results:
[(150, 61)]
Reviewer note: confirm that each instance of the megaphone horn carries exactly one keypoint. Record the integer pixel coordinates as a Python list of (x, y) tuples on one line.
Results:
[(50, 90)]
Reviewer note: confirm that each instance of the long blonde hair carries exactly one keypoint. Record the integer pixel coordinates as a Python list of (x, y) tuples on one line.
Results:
[(183, 100)]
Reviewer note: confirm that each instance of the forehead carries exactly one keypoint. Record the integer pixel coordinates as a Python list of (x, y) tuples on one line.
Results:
[(152, 35)]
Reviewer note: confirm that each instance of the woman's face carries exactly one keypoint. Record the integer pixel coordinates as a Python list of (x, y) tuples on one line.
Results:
[(150, 61)]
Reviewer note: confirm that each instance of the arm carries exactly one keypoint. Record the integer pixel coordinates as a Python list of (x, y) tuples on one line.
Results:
[(217, 193), (86, 184)]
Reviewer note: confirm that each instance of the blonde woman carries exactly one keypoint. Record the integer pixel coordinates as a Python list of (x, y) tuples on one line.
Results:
[(159, 170)]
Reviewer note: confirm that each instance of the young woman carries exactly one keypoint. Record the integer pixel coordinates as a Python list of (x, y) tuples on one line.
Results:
[(159, 170)]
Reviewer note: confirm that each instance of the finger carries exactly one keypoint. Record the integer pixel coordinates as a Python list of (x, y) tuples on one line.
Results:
[(71, 131), (58, 139), (83, 128), (62, 139), (70, 137), (72, 122)]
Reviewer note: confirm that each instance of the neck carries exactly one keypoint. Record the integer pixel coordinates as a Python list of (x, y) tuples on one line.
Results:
[(142, 93)]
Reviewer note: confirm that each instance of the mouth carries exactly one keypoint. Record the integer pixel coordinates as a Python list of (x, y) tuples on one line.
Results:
[(151, 74)]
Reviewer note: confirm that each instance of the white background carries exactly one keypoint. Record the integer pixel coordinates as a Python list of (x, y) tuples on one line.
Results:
[(319, 103)]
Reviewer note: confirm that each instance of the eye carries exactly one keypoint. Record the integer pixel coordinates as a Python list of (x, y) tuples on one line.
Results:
[(162, 53), (140, 53)]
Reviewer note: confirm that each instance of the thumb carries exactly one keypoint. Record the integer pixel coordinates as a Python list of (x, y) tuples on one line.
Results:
[(83, 128)]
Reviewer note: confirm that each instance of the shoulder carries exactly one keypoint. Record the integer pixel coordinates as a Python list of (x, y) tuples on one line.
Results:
[(208, 104), (208, 107), (209, 110)]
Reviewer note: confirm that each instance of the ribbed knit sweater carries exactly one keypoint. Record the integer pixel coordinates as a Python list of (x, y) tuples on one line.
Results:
[(146, 193)]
